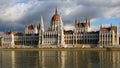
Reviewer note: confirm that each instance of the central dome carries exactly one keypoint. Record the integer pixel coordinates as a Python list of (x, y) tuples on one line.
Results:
[(56, 16)]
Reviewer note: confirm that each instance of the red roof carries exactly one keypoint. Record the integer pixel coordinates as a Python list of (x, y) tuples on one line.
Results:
[(107, 29), (79, 32), (114, 28), (56, 17), (31, 27), (68, 32), (8, 33), (18, 34), (82, 25)]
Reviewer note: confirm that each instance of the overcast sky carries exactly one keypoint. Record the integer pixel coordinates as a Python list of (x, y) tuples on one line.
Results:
[(15, 14)]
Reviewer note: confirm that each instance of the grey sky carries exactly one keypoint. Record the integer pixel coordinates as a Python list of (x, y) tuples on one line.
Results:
[(15, 14)]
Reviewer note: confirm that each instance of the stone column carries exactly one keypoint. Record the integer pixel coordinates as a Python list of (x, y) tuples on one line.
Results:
[(12, 40), (73, 39)]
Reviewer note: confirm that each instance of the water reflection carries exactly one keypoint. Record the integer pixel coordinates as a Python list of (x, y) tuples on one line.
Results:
[(59, 59), (109, 59)]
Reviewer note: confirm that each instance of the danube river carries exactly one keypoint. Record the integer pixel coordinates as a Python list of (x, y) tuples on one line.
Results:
[(60, 59)]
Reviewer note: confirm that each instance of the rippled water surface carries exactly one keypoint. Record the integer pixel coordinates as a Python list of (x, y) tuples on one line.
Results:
[(60, 59)]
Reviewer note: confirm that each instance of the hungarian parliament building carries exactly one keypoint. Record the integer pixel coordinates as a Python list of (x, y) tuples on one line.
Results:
[(57, 37)]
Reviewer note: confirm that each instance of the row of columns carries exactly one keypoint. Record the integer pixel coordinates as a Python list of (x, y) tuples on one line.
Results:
[(106, 39)]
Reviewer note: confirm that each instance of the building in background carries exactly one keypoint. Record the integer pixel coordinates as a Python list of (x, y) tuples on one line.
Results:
[(108, 36), (56, 36)]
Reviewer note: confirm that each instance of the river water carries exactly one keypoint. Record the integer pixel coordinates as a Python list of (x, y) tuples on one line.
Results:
[(60, 59)]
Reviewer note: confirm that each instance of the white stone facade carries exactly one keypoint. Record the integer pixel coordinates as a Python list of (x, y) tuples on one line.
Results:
[(56, 36)]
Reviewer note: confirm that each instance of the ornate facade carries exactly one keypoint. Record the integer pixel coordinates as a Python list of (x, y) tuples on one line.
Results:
[(56, 36)]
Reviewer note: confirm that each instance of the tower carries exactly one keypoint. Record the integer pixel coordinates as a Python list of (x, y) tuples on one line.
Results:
[(62, 43), (41, 33), (55, 21), (88, 22), (57, 26), (12, 40), (41, 26)]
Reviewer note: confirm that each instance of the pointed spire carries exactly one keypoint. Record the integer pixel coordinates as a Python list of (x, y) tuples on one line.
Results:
[(111, 24), (75, 20), (86, 20), (41, 20), (101, 26), (34, 25), (56, 12), (41, 24)]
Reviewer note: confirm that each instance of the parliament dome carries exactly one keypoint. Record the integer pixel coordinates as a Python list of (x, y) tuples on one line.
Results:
[(56, 16)]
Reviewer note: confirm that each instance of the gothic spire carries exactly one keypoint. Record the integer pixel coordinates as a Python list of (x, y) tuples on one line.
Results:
[(111, 24), (56, 12), (76, 21), (86, 20), (41, 24)]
